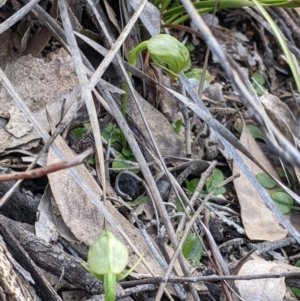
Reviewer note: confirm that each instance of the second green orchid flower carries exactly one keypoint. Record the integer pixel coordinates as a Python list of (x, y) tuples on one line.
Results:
[(107, 259)]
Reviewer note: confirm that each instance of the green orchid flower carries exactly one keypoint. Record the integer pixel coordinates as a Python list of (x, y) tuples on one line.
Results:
[(166, 52), (107, 259)]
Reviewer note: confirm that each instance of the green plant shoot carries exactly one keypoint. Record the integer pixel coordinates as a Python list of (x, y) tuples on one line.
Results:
[(281, 40), (166, 52), (283, 201), (107, 259), (192, 249), (212, 181), (176, 14), (296, 290)]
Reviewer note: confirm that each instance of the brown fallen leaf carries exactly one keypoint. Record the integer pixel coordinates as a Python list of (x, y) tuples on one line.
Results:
[(82, 217), (259, 221), (285, 121), (31, 138), (272, 289), (167, 140), (112, 16), (39, 83), (274, 104)]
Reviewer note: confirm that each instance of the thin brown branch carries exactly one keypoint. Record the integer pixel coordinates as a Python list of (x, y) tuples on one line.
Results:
[(212, 278), (39, 172)]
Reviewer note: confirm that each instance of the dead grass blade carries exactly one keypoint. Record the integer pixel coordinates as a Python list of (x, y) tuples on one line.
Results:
[(86, 93), (258, 220)]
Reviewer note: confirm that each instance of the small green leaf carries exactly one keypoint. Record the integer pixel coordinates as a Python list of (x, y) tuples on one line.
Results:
[(265, 181), (107, 259), (79, 132), (215, 180), (117, 164), (91, 160), (286, 175), (196, 73), (138, 201), (253, 129), (297, 264), (178, 205), (222, 190), (107, 132), (192, 249), (280, 172), (283, 201), (258, 89), (296, 290), (258, 83), (190, 46), (258, 78), (256, 132), (127, 152), (177, 126), (192, 185), (113, 133)]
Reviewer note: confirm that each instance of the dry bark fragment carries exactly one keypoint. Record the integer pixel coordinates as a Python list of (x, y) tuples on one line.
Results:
[(12, 285)]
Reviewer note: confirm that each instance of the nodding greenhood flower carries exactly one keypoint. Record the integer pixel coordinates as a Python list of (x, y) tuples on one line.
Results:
[(166, 53), (169, 54), (107, 259)]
